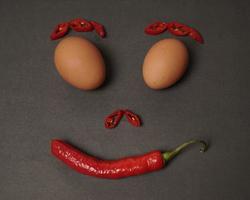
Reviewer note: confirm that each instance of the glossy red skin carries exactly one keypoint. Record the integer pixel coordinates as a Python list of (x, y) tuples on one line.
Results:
[(81, 25), (110, 169), (99, 28), (59, 31), (112, 120), (132, 118), (178, 29), (196, 35), (156, 28)]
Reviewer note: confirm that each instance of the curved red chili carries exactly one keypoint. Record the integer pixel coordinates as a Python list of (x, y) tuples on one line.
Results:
[(112, 120), (99, 28), (132, 118), (156, 28), (59, 31), (115, 169), (81, 25), (178, 29)]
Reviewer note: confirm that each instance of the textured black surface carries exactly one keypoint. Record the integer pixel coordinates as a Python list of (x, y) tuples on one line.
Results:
[(211, 102)]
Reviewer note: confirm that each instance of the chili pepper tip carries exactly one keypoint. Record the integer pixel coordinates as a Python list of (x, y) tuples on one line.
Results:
[(169, 155)]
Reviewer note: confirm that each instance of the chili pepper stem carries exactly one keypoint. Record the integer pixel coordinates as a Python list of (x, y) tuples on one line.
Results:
[(169, 155)]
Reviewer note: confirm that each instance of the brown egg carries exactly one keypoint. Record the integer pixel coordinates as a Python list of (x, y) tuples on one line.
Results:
[(80, 63), (165, 63)]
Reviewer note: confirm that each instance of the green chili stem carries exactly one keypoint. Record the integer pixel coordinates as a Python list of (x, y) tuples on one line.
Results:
[(169, 155)]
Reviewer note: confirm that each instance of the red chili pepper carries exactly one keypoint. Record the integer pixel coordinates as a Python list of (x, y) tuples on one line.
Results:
[(178, 29), (115, 169), (196, 35), (112, 120), (132, 118), (81, 25), (59, 31), (156, 28), (99, 28)]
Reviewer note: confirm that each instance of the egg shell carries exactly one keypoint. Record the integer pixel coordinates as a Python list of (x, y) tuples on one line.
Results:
[(80, 63), (165, 63)]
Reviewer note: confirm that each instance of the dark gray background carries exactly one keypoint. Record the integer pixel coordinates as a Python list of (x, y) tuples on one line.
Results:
[(211, 102)]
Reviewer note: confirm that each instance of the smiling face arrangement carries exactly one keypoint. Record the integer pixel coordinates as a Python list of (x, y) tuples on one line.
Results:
[(80, 63)]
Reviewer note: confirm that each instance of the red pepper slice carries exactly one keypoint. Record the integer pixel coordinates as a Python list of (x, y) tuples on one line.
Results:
[(59, 31), (81, 25), (196, 35), (99, 28), (112, 120), (156, 28), (132, 118), (178, 29)]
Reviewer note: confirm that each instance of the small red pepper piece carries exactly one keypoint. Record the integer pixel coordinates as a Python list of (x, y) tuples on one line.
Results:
[(59, 31), (132, 118), (156, 28), (116, 169), (178, 29), (196, 35), (99, 28), (112, 120), (81, 25)]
